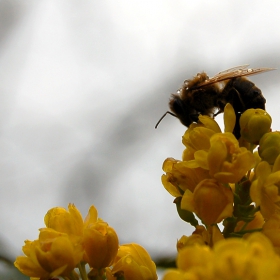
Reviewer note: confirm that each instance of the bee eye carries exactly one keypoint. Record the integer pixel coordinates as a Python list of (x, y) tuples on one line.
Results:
[(178, 106), (256, 93)]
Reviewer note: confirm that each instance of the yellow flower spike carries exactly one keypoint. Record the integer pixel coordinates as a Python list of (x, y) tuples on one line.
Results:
[(227, 162), (254, 123), (229, 118), (70, 222), (134, 262), (211, 201), (100, 244), (52, 255), (269, 147)]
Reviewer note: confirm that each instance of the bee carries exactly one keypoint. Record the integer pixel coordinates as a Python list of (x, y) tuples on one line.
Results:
[(208, 96)]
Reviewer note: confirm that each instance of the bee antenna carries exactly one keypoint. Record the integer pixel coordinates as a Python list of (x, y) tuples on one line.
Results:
[(164, 116)]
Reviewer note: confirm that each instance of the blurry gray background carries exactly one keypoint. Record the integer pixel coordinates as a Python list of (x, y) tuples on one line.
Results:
[(82, 84)]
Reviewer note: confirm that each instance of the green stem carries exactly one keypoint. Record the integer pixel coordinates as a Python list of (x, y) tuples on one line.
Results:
[(72, 276), (249, 231), (82, 269)]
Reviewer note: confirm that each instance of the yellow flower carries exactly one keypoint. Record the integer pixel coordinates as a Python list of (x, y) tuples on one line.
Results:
[(264, 190), (254, 123), (190, 240), (179, 177), (196, 259), (201, 236), (52, 255), (198, 135), (256, 223), (211, 201), (253, 258), (100, 243), (134, 263), (232, 258), (198, 138), (175, 274), (70, 222), (227, 162), (269, 147), (271, 229)]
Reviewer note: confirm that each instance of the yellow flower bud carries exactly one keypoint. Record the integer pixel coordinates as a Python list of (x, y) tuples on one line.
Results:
[(269, 146), (254, 123), (70, 222), (52, 255), (211, 201), (100, 244), (134, 263)]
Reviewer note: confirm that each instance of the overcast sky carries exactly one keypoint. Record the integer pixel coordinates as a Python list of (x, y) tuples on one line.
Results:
[(82, 85)]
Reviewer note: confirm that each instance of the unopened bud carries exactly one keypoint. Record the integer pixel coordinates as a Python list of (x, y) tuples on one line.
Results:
[(269, 147), (254, 123)]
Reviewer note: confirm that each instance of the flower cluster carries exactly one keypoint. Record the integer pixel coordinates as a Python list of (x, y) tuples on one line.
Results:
[(68, 242), (229, 190), (232, 258)]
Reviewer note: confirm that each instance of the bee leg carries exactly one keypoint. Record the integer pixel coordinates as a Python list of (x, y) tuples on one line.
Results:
[(236, 130), (219, 112), (194, 117), (241, 106)]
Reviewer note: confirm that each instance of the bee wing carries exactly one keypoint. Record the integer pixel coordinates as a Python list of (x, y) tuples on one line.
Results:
[(233, 69), (234, 72)]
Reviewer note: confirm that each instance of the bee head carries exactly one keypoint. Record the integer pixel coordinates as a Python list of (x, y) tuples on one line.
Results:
[(182, 110)]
